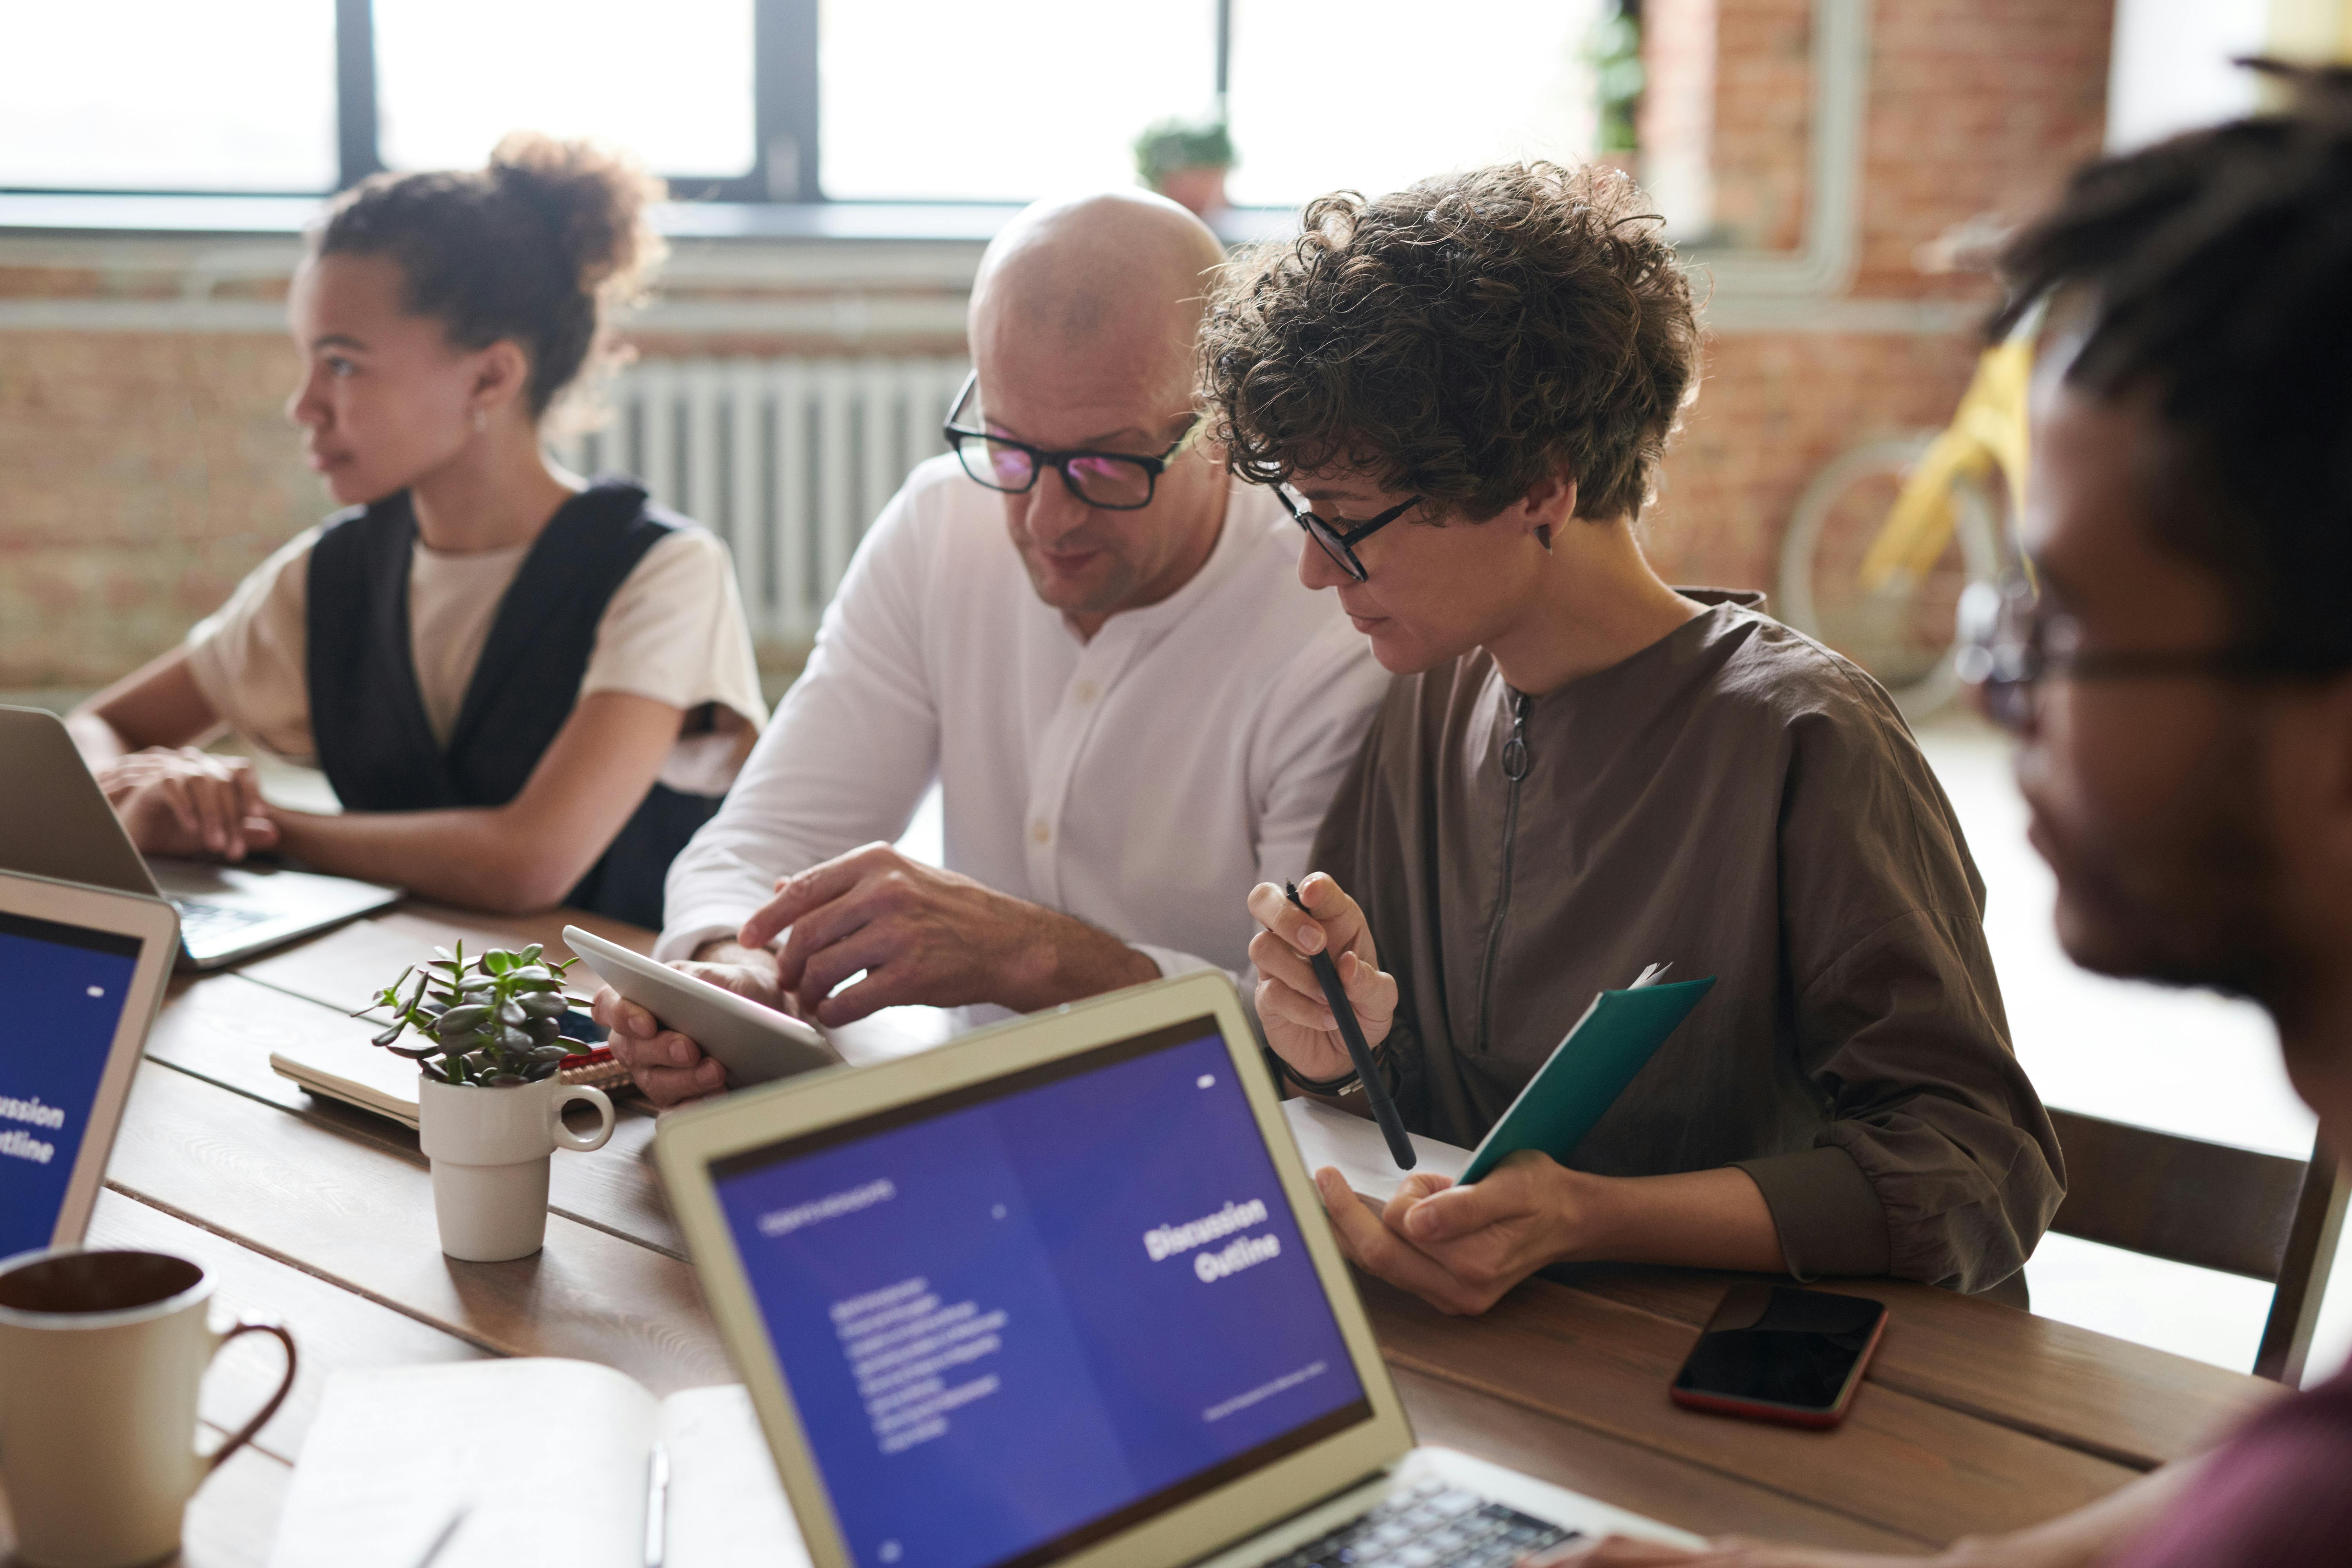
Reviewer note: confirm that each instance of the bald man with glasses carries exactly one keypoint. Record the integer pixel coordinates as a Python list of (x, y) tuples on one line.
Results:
[(1081, 630)]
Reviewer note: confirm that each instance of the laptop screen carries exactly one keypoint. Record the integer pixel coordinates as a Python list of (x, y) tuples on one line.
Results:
[(1027, 1314), (63, 989)]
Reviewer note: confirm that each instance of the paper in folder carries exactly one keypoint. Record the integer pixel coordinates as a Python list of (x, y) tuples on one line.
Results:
[(1588, 1071)]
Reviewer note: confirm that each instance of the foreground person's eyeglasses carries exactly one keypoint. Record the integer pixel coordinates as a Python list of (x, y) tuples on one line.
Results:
[(1113, 481), (1339, 541), (2010, 642)]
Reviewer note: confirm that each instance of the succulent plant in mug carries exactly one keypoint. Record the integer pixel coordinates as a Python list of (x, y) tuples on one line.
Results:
[(491, 1021)]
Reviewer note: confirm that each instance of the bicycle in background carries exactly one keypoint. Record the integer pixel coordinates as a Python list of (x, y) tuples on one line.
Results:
[(1889, 534)]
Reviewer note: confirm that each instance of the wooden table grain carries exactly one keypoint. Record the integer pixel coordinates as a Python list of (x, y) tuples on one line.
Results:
[(1974, 1417)]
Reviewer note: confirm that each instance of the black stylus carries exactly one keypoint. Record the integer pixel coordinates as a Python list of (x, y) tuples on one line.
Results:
[(1384, 1111)]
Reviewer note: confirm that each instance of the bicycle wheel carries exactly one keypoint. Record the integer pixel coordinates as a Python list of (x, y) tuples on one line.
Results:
[(1901, 633)]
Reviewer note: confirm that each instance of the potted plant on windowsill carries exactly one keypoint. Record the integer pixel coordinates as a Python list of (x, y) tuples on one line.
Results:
[(1187, 161), (490, 1105)]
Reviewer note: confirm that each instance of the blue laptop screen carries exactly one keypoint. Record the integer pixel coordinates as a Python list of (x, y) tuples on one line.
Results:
[(1027, 1315), (62, 989)]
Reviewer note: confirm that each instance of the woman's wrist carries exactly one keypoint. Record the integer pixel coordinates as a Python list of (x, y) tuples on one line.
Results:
[(1692, 1219), (1590, 1215)]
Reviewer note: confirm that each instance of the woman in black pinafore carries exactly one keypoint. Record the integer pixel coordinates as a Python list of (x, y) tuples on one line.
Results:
[(525, 689)]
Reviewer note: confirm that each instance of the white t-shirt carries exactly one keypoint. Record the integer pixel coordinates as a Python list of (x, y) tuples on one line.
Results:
[(673, 631), (1141, 780)]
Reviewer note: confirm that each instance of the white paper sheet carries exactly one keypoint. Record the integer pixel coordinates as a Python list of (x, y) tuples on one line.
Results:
[(726, 1508), (1329, 1136)]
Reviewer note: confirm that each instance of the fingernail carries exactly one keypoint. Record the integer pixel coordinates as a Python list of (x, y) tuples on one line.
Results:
[(1311, 939), (679, 1054)]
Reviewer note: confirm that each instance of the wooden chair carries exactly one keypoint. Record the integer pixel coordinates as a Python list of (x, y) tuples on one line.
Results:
[(2262, 1215)]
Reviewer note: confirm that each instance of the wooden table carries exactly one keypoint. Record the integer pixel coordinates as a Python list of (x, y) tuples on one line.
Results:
[(1976, 1417)]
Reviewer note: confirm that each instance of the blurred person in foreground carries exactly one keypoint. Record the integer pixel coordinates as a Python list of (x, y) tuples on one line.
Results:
[(1462, 389), (525, 689), (2181, 690), (1077, 624)]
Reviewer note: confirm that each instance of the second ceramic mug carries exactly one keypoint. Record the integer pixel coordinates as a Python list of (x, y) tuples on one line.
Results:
[(101, 1354)]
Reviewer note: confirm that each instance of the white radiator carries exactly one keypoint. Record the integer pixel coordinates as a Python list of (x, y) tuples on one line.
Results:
[(787, 459)]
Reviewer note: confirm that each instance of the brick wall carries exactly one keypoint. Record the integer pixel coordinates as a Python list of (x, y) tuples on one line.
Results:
[(145, 474), (1977, 110)]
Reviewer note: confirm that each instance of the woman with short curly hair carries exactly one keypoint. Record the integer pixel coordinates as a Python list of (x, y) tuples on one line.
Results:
[(1463, 392)]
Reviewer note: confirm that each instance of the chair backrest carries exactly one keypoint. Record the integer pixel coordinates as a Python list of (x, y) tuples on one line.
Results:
[(2262, 1215)]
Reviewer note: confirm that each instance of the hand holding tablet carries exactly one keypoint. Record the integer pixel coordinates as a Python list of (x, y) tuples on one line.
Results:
[(753, 1043)]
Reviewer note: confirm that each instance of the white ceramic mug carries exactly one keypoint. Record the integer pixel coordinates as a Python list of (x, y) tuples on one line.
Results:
[(489, 1149), (101, 1354)]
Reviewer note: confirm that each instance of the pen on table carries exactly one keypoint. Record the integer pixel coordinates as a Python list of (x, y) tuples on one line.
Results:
[(657, 1508), (1376, 1093)]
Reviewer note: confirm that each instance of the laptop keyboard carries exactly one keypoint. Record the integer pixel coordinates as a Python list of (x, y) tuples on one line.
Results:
[(1431, 1526), (211, 922)]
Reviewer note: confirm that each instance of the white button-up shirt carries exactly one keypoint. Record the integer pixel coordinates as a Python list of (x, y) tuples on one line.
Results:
[(1142, 781)]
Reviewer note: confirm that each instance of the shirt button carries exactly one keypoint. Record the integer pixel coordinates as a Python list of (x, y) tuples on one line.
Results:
[(1039, 831), (1085, 692)]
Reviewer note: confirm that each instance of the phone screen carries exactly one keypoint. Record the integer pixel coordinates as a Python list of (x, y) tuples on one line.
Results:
[(1772, 1347)]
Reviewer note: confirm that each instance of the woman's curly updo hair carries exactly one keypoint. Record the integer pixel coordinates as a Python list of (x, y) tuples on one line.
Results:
[(540, 247), (1460, 341)]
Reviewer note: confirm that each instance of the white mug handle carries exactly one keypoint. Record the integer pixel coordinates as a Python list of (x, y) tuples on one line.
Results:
[(567, 1138)]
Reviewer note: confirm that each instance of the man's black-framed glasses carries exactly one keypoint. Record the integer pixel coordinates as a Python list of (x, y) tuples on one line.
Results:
[(2011, 641), (1112, 481), (1337, 537)]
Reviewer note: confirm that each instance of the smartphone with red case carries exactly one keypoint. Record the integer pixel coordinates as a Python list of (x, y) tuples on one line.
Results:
[(1772, 1353)]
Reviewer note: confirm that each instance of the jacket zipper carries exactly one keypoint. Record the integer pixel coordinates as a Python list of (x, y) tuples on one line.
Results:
[(1515, 768)]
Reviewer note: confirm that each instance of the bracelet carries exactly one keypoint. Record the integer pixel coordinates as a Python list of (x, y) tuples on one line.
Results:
[(1344, 1083), (1283, 1072)]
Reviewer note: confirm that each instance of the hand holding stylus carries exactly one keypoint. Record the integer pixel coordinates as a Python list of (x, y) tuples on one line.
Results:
[(1323, 1015)]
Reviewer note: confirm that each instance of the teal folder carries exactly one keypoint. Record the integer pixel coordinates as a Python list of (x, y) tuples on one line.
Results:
[(1616, 1039)]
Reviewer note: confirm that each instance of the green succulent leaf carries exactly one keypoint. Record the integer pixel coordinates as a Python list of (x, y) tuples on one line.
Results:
[(462, 1020)]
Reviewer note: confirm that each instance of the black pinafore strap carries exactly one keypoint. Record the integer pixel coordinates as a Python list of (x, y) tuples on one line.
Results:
[(367, 715)]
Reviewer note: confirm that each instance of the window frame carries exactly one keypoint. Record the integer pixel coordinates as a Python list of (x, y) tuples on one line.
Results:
[(784, 90)]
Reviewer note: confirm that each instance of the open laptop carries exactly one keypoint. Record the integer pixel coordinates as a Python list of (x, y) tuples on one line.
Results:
[(1062, 1293), (82, 972), (58, 824)]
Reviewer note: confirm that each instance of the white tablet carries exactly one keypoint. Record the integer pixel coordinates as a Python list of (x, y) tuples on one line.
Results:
[(82, 971), (754, 1044)]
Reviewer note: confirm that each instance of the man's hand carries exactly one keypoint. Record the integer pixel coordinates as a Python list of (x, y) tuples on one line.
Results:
[(182, 801), (1460, 1248), (668, 1066), (924, 935), (1290, 1002)]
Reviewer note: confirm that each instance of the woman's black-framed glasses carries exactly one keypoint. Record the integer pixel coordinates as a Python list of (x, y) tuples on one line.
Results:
[(1112, 481), (1338, 539), (2010, 642)]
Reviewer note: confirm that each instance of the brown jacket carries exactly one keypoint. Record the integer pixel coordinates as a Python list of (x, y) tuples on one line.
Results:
[(1739, 802)]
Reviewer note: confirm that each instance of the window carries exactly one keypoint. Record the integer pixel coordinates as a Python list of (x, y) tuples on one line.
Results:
[(912, 101), (671, 83), (1375, 94), (945, 100), (143, 95)]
